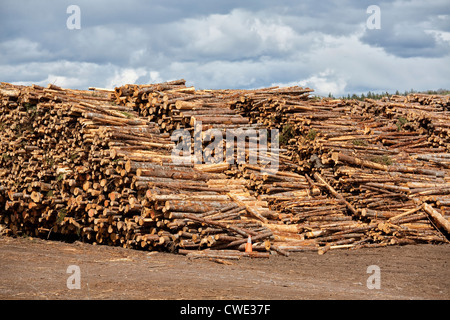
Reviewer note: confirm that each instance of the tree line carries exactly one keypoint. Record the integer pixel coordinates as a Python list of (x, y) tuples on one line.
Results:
[(377, 96)]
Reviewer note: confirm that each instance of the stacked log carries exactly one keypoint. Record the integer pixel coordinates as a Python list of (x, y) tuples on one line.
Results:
[(76, 167), (371, 161), (99, 165), (174, 106)]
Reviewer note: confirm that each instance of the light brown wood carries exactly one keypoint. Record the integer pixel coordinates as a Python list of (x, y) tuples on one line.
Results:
[(97, 164)]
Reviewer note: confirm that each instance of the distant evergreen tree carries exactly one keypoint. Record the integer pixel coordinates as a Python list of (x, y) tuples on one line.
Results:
[(378, 96)]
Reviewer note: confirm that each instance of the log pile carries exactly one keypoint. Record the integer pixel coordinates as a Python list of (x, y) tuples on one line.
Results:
[(174, 106), (74, 164), (376, 172), (99, 165)]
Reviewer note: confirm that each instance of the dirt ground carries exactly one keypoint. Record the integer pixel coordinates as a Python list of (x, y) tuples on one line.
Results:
[(37, 269)]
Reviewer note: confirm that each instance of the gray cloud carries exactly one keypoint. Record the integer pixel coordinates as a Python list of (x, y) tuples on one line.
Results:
[(228, 44), (404, 26)]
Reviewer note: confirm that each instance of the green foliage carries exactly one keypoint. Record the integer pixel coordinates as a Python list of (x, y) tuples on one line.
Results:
[(6, 157), (312, 134), (439, 91), (31, 109), (378, 96), (370, 95), (386, 160), (61, 215), (49, 161), (126, 114), (400, 123), (359, 142), (287, 133), (74, 156)]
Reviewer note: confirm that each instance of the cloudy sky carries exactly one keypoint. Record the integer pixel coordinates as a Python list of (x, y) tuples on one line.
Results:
[(326, 45)]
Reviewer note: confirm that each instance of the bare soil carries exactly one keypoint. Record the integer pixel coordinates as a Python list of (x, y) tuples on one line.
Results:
[(37, 269)]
